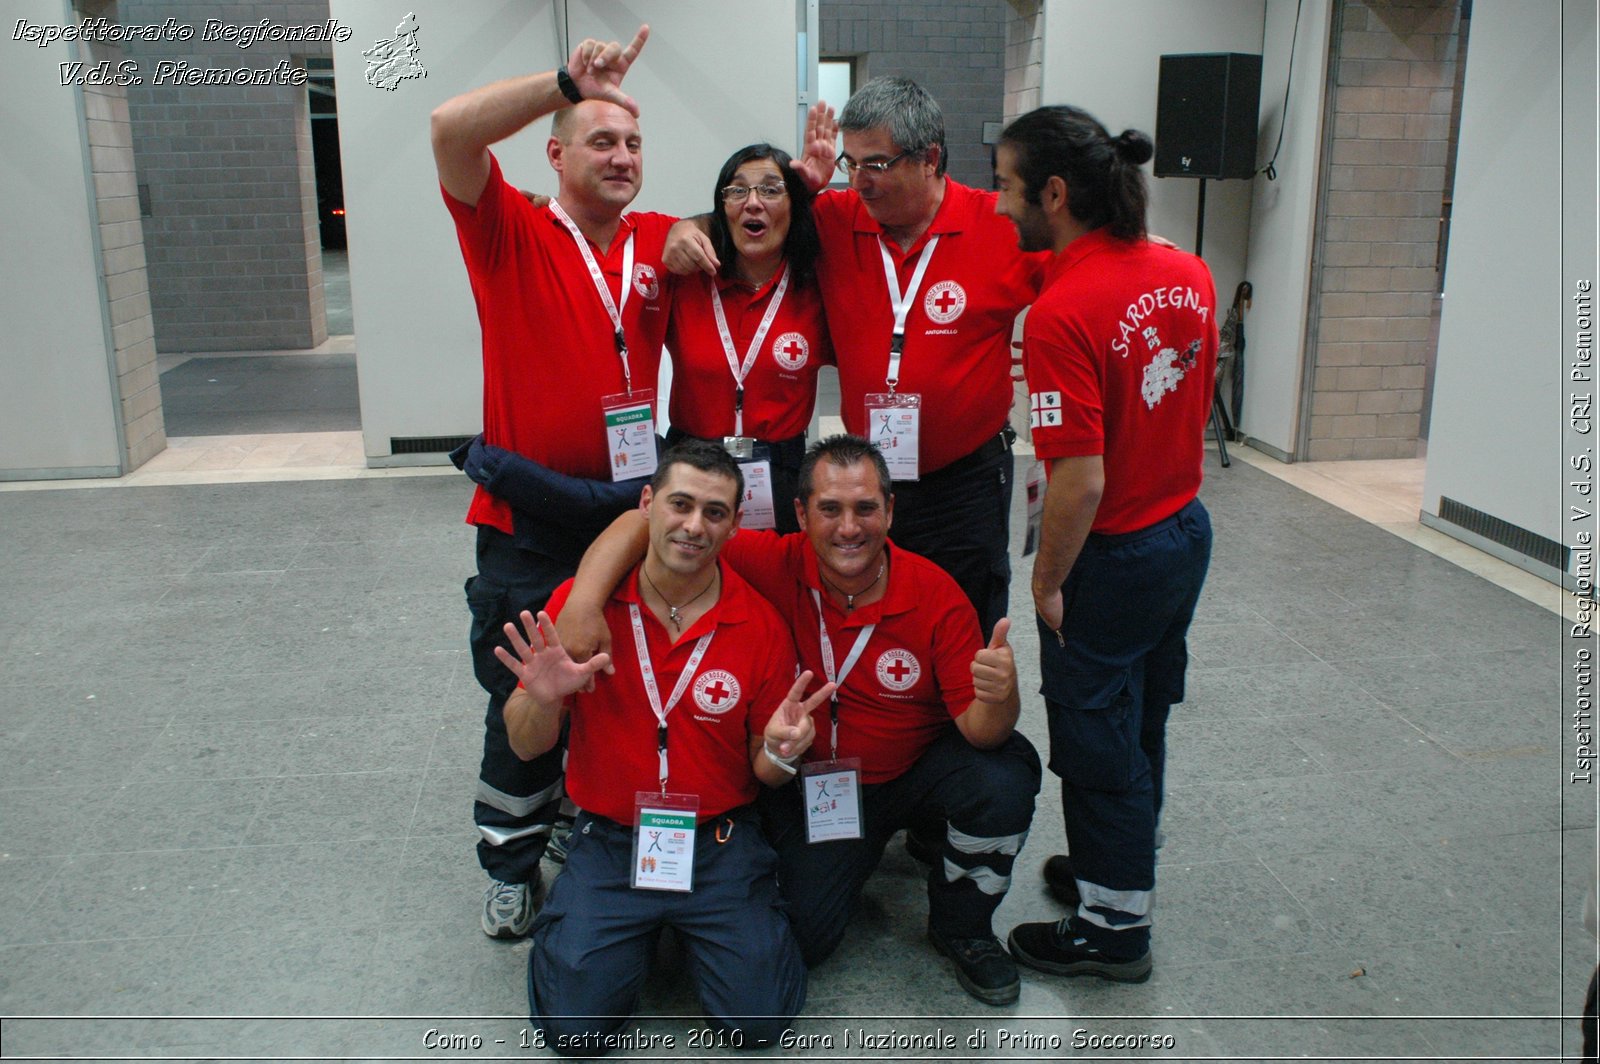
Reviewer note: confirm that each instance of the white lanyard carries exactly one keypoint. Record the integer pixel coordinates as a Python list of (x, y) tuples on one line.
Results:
[(647, 672), (600, 284), (901, 301), (827, 663), (741, 371)]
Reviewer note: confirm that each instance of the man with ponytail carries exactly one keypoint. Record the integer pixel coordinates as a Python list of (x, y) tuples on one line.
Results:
[(1120, 354)]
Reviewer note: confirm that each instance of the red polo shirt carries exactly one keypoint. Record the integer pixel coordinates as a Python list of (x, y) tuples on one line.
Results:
[(1120, 352), (913, 677), (958, 332), (780, 390), (745, 673), (549, 352)]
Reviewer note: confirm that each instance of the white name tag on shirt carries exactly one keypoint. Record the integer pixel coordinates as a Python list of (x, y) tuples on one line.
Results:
[(663, 842), (832, 794), (894, 424), (758, 507), (630, 433)]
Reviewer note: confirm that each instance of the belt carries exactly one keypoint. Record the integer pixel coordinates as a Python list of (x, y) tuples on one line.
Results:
[(994, 447), (784, 453), (1116, 539)]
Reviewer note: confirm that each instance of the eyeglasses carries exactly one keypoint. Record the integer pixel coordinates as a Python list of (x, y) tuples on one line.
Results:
[(848, 166), (740, 193)]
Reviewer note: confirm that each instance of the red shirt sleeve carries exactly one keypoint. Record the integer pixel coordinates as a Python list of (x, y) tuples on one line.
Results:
[(768, 562), (1065, 406)]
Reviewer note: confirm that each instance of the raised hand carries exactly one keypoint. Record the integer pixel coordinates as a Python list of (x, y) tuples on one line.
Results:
[(597, 69), (543, 667), (790, 730), (994, 668), (817, 158)]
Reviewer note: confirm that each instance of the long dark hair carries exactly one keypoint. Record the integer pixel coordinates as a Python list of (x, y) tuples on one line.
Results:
[(1105, 187), (801, 247)]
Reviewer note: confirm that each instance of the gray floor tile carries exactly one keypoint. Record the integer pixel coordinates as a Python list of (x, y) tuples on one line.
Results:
[(394, 742), (1222, 645), (1258, 918), (337, 886), (1426, 805), (324, 972), (1304, 815), (1363, 738), (349, 806), (211, 750), (1376, 897), (1481, 731), (22, 881), (1275, 691), (1209, 751), (51, 821), (177, 815), (283, 694), (100, 896), (126, 977)]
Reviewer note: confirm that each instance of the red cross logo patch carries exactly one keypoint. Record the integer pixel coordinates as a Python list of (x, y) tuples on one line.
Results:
[(645, 281), (716, 691), (791, 350), (944, 302), (898, 669)]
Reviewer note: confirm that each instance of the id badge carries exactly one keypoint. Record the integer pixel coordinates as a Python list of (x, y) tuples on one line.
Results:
[(758, 504), (893, 424), (663, 843), (630, 433), (1035, 482), (832, 794)]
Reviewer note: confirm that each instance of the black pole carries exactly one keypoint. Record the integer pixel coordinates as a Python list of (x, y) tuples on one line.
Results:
[(1200, 221)]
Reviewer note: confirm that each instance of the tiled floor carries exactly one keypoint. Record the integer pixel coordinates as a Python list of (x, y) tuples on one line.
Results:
[(238, 737)]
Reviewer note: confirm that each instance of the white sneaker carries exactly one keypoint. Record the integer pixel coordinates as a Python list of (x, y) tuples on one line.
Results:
[(508, 908)]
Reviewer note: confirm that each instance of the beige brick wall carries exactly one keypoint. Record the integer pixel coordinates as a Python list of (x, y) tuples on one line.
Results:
[(1373, 297), (127, 281)]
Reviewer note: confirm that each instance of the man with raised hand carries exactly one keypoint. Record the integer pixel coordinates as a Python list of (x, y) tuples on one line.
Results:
[(667, 833), (921, 726), (922, 285), (572, 310), (1120, 353)]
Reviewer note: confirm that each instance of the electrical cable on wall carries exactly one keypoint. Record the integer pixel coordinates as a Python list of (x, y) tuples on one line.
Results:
[(1271, 169)]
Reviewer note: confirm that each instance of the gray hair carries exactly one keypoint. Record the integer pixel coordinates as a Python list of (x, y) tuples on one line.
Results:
[(905, 109)]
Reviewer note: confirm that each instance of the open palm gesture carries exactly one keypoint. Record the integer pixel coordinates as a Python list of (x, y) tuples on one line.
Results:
[(543, 667)]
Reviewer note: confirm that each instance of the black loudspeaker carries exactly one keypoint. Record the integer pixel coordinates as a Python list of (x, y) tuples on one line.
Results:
[(1206, 113)]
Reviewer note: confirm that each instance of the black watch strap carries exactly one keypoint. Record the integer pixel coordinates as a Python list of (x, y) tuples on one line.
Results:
[(568, 87)]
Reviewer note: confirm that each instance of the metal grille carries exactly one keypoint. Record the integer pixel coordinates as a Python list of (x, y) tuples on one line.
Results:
[(425, 444), (1504, 533)]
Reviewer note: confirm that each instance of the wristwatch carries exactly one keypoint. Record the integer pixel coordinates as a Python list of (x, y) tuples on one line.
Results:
[(568, 87)]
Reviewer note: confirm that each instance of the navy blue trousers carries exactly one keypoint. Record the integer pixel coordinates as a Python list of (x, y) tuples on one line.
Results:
[(595, 935), (1127, 606), (985, 795), (959, 518), (516, 800)]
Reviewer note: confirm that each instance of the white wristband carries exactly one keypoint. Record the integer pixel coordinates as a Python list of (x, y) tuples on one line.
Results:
[(787, 766)]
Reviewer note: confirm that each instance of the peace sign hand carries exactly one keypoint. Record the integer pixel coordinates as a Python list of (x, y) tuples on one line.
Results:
[(789, 731)]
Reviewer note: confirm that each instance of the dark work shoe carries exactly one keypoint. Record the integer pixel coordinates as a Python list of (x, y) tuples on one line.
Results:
[(983, 968), (1059, 878), (1055, 948)]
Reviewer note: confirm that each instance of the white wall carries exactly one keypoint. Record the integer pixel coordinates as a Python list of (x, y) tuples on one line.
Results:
[(1499, 393), (57, 415), (1282, 220), (1105, 56), (715, 75)]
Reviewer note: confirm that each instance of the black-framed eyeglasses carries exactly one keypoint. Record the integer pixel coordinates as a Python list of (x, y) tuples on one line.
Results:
[(848, 166), (740, 193)]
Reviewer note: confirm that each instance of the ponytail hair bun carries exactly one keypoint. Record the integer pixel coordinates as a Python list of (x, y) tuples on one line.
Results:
[(1134, 147)]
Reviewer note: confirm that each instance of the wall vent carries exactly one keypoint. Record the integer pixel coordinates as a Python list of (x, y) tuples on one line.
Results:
[(425, 444), (1508, 535)]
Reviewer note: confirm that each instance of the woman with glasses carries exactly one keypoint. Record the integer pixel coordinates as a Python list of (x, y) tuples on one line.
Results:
[(746, 343)]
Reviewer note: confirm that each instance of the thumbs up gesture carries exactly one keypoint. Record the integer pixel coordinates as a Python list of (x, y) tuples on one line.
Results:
[(994, 668)]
